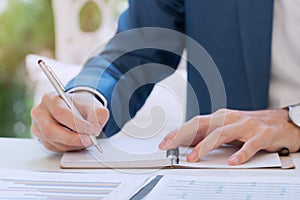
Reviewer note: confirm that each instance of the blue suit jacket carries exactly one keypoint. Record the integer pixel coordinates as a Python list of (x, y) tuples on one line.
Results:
[(235, 33)]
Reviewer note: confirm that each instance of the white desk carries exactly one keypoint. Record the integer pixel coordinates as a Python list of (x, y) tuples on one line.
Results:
[(28, 154)]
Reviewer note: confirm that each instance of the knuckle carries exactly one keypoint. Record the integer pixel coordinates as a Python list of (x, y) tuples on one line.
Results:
[(266, 131), (35, 112), (195, 123), (245, 154), (35, 130), (251, 145), (221, 111), (222, 132), (234, 114), (195, 120), (46, 98), (250, 121)]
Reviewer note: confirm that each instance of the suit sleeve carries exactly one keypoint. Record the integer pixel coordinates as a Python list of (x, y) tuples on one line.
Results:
[(137, 57)]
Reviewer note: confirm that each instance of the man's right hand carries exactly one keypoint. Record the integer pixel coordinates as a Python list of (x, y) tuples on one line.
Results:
[(59, 129)]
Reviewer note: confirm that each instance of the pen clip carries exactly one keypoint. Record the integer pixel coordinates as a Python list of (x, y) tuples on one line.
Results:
[(173, 154)]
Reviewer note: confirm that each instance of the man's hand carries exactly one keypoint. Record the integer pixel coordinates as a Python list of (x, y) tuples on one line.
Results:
[(59, 129), (267, 130)]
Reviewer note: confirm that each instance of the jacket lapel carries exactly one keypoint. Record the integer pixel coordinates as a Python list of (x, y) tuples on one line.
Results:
[(255, 21)]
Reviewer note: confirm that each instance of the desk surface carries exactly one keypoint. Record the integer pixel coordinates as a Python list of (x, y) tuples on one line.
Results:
[(29, 154)]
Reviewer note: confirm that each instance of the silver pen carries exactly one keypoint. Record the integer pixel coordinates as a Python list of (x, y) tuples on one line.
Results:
[(61, 91)]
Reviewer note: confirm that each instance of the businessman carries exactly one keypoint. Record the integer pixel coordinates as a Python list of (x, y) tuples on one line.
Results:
[(254, 45)]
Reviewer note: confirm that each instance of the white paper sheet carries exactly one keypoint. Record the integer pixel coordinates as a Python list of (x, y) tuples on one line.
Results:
[(22, 184), (218, 158), (209, 187)]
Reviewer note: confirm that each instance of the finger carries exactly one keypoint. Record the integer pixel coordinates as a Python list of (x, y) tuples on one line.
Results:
[(165, 143), (56, 147), (59, 147), (214, 140), (58, 134), (50, 147), (218, 137), (182, 136), (64, 115), (47, 145), (188, 134), (249, 149), (192, 132), (47, 129), (35, 130)]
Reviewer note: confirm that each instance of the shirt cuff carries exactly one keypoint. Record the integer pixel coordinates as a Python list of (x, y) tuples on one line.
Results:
[(97, 94)]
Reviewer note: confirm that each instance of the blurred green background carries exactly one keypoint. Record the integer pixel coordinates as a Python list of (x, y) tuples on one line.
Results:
[(27, 26)]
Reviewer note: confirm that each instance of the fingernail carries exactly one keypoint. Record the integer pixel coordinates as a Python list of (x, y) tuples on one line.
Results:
[(234, 160), (193, 156), (162, 145), (165, 144)]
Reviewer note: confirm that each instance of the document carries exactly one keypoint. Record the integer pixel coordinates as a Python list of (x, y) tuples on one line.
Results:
[(22, 184), (233, 188), (127, 153)]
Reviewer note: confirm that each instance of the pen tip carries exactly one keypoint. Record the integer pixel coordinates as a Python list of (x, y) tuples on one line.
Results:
[(99, 148)]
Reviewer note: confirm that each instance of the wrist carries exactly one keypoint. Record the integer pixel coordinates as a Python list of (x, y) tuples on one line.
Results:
[(293, 112), (293, 117)]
